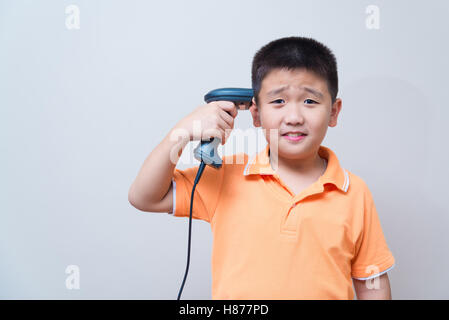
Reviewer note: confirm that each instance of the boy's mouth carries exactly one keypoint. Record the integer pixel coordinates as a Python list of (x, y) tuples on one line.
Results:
[(294, 134)]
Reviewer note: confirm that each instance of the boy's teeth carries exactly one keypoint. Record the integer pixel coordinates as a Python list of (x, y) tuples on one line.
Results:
[(294, 134)]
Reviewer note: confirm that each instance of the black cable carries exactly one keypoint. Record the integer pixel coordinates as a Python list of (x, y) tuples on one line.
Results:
[(197, 178)]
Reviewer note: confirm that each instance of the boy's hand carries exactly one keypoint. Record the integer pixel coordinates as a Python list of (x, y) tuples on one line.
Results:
[(215, 119)]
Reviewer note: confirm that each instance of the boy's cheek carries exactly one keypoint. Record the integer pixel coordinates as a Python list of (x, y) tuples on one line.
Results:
[(271, 134)]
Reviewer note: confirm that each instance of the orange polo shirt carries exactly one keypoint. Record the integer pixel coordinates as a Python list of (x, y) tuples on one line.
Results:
[(269, 243)]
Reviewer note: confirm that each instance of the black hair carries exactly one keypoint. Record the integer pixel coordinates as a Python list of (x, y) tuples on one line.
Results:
[(295, 53)]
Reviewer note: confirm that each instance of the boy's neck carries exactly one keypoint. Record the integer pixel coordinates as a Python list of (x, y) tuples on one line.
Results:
[(308, 166)]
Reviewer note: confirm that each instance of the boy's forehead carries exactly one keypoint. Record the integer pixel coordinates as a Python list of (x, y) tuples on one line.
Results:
[(280, 79)]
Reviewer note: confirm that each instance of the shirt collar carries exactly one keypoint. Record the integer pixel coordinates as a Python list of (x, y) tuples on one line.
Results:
[(335, 174)]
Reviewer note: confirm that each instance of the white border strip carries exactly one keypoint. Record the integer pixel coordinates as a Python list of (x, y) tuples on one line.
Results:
[(249, 162), (174, 197), (346, 183), (377, 274)]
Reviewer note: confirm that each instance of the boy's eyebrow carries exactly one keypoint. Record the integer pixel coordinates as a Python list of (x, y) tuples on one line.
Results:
[(280, 89)]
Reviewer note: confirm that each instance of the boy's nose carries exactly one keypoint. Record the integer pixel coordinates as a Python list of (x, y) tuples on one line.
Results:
[(294, 117)]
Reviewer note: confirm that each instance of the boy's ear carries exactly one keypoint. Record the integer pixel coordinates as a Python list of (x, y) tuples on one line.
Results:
[(255, 113), (335, 110)]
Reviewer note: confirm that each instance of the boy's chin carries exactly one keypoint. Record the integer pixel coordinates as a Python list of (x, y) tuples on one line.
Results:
[(293, 149)]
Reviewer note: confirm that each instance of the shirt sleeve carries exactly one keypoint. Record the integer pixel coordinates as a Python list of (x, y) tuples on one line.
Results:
[(372, 255), (206, 195)]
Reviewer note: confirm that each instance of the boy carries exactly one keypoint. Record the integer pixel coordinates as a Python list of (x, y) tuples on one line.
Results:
[(289, 222)]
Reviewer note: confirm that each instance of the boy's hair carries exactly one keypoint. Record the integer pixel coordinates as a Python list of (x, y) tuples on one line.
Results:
[(293, 53)]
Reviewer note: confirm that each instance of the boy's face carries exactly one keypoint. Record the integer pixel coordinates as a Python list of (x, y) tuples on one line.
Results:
[(304, 105)]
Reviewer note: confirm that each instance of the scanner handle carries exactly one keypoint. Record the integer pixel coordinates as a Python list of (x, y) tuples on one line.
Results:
[(206, 151)]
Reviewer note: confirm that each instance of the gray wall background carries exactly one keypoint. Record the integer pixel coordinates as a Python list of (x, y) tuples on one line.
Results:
[(81, 109)]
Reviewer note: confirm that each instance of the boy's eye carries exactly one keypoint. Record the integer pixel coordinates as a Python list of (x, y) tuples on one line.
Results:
[(311, 101)]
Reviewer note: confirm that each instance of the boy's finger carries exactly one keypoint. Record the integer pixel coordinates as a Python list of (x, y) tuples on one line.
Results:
[(227, 118), (228, 106)]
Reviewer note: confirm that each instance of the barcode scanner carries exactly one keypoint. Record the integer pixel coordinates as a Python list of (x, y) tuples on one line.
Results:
[(206, 151)]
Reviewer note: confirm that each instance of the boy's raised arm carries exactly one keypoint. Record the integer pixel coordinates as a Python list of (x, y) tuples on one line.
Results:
[(152, 189)]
